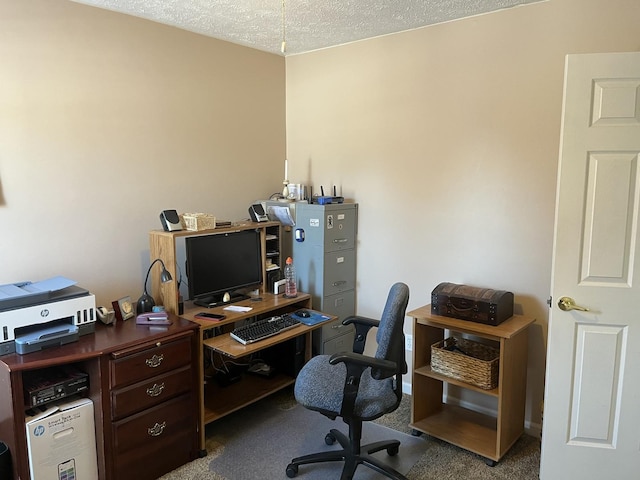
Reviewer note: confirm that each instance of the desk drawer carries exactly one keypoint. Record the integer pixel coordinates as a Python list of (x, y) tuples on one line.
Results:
[(149, 362), (164, 436), (142, 395)]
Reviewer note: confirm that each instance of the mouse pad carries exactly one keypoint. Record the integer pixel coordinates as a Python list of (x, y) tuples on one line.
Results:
[(316, 317)]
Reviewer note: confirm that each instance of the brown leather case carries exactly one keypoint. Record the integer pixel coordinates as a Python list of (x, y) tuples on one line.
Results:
[(481, 305)]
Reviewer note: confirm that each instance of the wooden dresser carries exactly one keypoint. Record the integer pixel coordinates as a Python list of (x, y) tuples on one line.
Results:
[(143, 382)]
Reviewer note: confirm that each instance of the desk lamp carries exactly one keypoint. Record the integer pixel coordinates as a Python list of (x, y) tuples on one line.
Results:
[(146, 301)]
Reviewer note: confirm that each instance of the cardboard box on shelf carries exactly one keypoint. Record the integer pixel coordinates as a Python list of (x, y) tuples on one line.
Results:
[(61, 441)]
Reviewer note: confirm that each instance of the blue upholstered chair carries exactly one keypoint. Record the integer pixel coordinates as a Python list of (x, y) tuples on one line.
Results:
[(358, 388)]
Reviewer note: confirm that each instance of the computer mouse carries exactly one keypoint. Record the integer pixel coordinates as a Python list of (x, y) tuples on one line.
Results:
[(303, 314)]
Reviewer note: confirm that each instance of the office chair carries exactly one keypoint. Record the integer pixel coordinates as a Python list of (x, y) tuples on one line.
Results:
[(358, 388)]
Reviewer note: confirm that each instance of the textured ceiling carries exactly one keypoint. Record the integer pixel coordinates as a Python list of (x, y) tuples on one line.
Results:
[(310, 24)]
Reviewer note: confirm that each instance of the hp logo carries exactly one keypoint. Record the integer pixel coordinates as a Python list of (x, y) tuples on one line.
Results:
[(44, 313), (38, 431)]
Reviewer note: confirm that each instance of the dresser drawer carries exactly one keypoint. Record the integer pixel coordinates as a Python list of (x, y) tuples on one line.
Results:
[(139, 396), (152, 361), (149, 444)]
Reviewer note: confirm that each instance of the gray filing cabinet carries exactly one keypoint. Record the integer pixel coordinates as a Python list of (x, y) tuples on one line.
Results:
[(324, 255)]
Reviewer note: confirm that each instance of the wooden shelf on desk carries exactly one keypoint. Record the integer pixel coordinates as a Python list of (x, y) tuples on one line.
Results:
[(221, 401)]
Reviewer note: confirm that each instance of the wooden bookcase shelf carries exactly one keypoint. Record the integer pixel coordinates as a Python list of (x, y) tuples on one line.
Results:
[(488, 436)]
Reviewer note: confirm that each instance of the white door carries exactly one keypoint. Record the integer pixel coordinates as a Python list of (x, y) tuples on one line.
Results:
[(591, 426)]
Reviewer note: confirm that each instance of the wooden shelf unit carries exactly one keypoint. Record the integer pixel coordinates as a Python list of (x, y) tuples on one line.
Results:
[(163, 245), (488, 436)]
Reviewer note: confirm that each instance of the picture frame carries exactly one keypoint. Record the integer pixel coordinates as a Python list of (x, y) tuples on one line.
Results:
[(124, 308)]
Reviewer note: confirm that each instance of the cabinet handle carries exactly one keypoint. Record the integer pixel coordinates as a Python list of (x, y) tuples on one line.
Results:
[(154, 361), (155, 390), (340, 240), (339, 282), (157, 429)]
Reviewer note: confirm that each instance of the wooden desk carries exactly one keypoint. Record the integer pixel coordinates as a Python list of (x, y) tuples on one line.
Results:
[(120, 379), (217, 401), (485, 435)]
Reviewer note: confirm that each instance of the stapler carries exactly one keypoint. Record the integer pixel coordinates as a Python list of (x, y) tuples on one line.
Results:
[(153, 318)]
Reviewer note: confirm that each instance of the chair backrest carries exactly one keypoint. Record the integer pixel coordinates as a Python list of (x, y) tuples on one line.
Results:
[(390, 336)]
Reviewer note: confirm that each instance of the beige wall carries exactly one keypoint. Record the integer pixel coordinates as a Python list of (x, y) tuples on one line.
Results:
[(448, 138), (105, 120)]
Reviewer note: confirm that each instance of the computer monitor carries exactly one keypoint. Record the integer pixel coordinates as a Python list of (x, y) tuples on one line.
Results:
[(222, 263)]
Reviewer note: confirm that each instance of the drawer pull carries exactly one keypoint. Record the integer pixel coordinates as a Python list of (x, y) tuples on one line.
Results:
[(155, 390), (154, 361), (339, 282), (341, 240), (157, 429)]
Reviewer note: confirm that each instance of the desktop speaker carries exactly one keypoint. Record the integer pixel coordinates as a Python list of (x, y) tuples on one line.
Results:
[(170, 221)]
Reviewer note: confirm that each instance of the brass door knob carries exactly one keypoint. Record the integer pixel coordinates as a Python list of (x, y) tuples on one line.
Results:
[(568, 303)]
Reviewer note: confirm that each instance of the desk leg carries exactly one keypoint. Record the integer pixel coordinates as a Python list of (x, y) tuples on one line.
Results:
[(203, 450)]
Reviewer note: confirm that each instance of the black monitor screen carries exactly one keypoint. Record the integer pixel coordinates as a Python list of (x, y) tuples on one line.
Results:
[(222, 263)]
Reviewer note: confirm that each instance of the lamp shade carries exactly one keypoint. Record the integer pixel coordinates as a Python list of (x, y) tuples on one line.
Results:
[(146, 302)]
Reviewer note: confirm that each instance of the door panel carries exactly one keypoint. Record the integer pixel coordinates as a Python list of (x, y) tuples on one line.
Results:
[(591, 424)]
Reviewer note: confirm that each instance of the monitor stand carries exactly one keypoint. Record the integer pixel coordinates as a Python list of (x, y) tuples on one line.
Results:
[(216, 301)]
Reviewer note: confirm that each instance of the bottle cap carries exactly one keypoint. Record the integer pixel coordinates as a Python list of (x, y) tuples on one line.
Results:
[(289, 260)]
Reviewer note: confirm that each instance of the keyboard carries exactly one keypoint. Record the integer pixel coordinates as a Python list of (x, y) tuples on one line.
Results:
[(265, 328)]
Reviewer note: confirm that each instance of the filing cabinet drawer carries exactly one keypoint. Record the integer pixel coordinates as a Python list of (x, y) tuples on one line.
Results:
[(342, 305), (339, 271), (163, 436), (149, 362), (341, 343), (340, 229), (142, 395)]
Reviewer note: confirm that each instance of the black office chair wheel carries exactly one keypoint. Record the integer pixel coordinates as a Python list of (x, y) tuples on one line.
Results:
[(292, 470), (330, 439), (393, 451)]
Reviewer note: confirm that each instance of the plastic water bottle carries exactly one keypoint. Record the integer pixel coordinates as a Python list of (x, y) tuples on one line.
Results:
[(290, 289)]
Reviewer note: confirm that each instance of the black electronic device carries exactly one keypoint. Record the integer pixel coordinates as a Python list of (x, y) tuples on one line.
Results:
[(209, 316), (49, 384), (222, 263), (303, 314), (170, 221), (257, 213)]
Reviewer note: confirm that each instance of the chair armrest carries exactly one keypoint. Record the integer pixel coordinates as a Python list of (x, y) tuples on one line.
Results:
[(362, 361), (370, 322), (363, 325)]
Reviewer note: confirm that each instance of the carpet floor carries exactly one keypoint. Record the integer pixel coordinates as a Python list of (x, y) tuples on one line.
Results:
[(425, 457)]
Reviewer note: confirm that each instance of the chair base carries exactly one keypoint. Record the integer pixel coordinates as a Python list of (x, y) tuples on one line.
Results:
[(352, 455)]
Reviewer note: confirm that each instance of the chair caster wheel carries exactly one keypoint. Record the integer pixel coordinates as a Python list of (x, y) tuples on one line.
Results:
[(416, 433), (393, 451), (329, 439), (292, 470)]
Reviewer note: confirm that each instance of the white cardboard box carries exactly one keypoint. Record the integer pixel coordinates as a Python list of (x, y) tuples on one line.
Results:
[(62, 442)]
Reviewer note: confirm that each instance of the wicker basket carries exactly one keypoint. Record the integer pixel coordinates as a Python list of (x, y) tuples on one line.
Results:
[(198, 221), (467, 361)]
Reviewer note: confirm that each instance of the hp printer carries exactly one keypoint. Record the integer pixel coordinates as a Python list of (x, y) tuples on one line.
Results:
[(43, 319)]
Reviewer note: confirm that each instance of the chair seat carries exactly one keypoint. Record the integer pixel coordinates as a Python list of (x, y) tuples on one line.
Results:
[(319, 387)]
